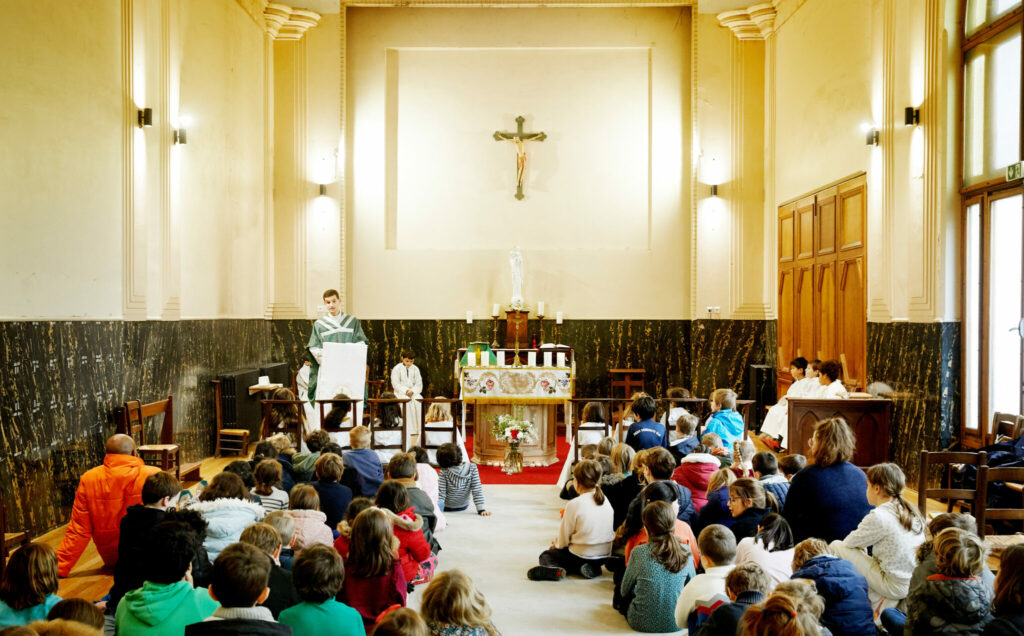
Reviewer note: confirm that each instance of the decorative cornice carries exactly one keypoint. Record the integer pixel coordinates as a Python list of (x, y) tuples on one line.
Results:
[(756, 22), (285, 23)]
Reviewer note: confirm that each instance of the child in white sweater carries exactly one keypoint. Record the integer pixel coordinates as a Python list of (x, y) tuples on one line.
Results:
[(585, 534), (893, 531), (706, 591)]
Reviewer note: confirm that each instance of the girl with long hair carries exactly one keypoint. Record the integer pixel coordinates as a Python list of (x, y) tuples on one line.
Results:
[(585, 535), (374, 580), (28, 588), (656, 573), (893, 531), (771, 548), (454, 606)]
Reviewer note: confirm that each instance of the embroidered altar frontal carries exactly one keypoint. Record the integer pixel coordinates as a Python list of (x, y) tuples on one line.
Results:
[(533, 385)]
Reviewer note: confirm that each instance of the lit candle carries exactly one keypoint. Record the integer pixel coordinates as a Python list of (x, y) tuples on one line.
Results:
[(540, 308), (469, 317), (495, 310), (558, 318)]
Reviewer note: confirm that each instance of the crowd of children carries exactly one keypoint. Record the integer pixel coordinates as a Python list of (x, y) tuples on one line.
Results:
[(743, 542), (336, 551)]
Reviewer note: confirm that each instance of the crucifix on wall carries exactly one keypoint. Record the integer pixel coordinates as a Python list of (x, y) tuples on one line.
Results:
[(519, 138)]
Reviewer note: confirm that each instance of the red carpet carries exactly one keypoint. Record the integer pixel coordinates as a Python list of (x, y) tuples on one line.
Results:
[(530, 475)]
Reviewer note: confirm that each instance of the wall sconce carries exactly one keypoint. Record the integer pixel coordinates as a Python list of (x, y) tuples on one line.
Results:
[(180, 136), (714, 189), (145, 117), (871, 137), (911, 116), (323, 189)]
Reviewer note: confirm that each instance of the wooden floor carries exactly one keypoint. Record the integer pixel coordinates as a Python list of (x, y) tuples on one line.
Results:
[(91, 580)]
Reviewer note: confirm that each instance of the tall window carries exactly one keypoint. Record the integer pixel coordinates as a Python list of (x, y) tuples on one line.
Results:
[(993, 215)]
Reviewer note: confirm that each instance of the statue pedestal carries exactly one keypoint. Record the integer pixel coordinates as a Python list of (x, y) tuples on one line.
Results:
[(516, 325)]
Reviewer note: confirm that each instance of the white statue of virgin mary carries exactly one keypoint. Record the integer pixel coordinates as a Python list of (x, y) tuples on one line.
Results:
[(515, 259)]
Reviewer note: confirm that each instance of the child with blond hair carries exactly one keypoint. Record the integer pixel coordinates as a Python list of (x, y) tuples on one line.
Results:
[(724, 420)]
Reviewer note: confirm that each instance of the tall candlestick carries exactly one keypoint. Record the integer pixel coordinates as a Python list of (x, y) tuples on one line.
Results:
[(558, 317), (495, 311), (469, 317), (540, 308)]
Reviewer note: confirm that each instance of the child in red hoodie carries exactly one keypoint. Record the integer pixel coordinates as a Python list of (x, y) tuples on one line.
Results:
[(418, 562)]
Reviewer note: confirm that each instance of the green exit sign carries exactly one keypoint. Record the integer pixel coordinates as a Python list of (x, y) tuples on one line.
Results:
[(1013, 171)]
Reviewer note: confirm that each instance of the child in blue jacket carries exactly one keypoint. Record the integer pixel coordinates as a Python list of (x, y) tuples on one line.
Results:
[(724, 420)]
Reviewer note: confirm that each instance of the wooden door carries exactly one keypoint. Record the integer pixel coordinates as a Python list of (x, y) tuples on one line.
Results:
[(825, 311), (804, 303), (852, 319)]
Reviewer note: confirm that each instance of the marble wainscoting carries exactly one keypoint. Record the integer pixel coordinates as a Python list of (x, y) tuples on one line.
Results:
[(921, 363), (62, 380), (700, 355)]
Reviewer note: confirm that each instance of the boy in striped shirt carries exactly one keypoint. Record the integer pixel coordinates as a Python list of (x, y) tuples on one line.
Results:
[(457, 481)]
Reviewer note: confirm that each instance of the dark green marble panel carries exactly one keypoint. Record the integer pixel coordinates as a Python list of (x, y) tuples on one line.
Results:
[(723, 350), (920, 363)]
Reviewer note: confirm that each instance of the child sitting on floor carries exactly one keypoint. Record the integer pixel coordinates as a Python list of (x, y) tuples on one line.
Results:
[(302, 463), (746, 585), (400, 621), (374, 579), (844, 590), (428, 481), (267, 540), (454, 606), (766, 471), (28, 588), (369, 470), (892, 530), (358, 505), (585, 534), (334, 497), (319, 573), (1008, 602), (310, 522), (685, 436), (268, 478), (716, 508), (705, 592), (954, 600), (656, 573), (791, 465), (742, 456), (239, 584), (712, 442), (748, 506), (771, 548), (284, 523), (724, 420), (418, 563), (457, 481)]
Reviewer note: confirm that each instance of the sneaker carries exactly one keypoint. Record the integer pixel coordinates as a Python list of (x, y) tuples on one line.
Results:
[(590, 570), (545, 573)]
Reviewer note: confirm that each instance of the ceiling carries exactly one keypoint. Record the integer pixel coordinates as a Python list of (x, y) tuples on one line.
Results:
[(704, 6)]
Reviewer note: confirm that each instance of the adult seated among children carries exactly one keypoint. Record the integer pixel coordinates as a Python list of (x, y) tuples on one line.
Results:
[(645, 432), (104, 494), (828, 498)]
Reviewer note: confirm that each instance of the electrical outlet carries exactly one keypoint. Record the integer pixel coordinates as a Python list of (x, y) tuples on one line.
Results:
[(718, 310), (710, 310)]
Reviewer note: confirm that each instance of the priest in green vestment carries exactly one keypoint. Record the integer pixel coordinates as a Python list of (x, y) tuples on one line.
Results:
[(336, 326)]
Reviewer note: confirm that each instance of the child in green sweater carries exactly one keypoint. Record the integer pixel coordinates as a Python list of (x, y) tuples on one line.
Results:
[(318, 575), (167, 601)]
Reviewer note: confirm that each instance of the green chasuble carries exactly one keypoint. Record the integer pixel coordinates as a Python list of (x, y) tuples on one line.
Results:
[(342, 328)]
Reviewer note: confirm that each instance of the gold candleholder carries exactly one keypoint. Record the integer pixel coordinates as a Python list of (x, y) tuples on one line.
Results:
[(540, 318), (517, 363), (558, 334), (494, 344)]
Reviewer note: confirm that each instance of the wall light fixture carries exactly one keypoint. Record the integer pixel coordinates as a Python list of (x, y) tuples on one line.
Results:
[(145, 117)]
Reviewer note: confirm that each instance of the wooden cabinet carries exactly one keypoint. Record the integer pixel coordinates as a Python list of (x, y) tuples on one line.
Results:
[(822, 274)]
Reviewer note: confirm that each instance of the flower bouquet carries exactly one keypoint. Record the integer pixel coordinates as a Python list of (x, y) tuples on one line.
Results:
[(513, 430)]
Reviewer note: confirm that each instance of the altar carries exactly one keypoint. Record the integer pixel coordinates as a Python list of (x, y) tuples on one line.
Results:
[(495, 390)]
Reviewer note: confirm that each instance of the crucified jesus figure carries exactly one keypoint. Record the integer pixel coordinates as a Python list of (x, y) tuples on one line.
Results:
[(519, 138)]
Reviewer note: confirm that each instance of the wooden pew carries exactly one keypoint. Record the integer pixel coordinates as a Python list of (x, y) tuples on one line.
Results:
[(868, 418)]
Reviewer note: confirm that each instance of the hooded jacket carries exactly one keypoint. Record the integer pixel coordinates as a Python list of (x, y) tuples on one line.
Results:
[(226, 518), (694, 472), (778, 486), (413, 548), (946, 605), (163, 609), (104, 494), (845, 590), (369, 471), (310, 527), (1006, 625)]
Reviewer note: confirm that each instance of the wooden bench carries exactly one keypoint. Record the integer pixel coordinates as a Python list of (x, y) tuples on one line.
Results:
[(344, 428), (376, 404)]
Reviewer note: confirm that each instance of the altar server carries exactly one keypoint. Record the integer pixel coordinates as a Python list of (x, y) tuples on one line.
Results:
[(805, 384), (408, 383), (336, 326), (832, 386)]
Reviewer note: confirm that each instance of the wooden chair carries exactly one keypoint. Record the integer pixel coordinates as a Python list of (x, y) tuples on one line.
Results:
[(987, 475), (576, 422), (166, 455), (228, 439), (437, 427), (11, 539), (376, 404), (948, 493), (746, 410), (1005, 424), (295, 431), (347, 425), (628, 380)]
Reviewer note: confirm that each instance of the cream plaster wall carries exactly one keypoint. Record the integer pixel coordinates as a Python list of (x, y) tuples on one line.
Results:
[(839, 65), (641, 278), (60, 172)]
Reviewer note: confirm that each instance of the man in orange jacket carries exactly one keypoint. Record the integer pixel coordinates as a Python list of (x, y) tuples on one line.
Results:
[(104, 494)]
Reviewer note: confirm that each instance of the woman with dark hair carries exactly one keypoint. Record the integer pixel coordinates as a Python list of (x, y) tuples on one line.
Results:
[(771, 548), (828, 498)]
